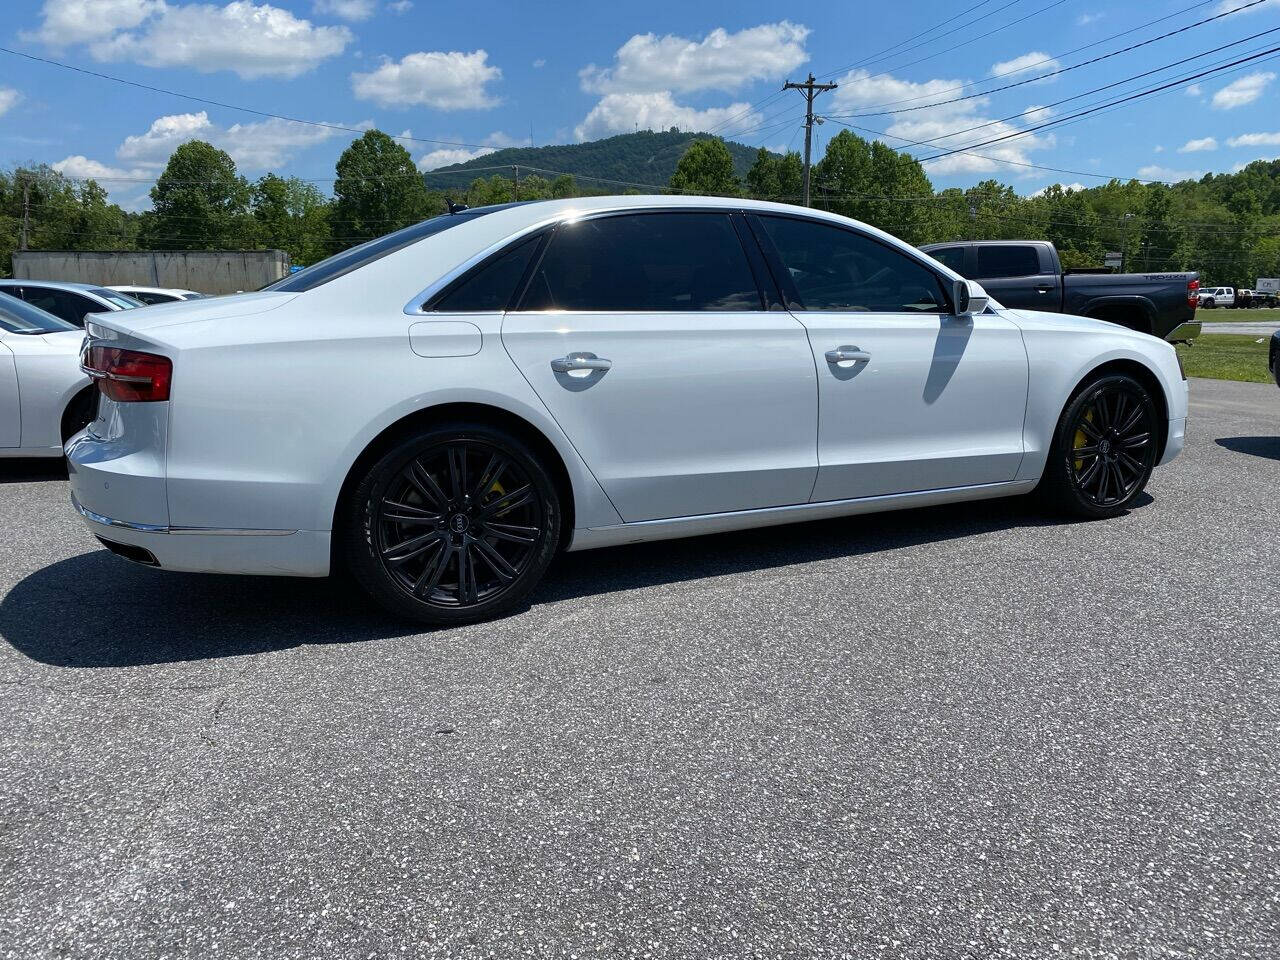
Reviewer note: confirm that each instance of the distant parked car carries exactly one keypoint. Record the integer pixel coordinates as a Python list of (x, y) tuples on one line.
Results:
[(1218, 297), (1027, 275), (70, 301), (1244, 299), (153, 295), (45, 398)]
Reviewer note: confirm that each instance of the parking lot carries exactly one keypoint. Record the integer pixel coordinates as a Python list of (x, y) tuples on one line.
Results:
[(963, 731)]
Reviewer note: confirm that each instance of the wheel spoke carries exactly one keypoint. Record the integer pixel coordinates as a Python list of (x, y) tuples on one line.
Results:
[(1135, 441), (1101, 414), (1117, 411), (468, 592), (408, 549), (1131, 422), (1104, 483), (433, 571), (1089, 430), (422, 481), (496, 466), (1090, 474), (512, 532), (1085, 451), (457, 472), (496, 561), (407, 513), (1128, 461), (508, 502)]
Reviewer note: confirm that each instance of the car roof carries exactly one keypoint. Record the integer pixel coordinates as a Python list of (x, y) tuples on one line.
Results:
[(51, 284)]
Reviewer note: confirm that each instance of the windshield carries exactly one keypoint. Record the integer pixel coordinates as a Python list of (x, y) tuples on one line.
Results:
[(348, 260), (121, 300), (18, 316)]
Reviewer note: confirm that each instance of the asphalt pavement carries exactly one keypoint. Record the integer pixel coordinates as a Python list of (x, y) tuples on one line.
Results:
[(1257, 328), (955, 732)]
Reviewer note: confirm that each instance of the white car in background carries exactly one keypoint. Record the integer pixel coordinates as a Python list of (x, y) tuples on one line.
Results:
[(71, 302), (45, 397), (1211, 297), (154, 295), (444, 408)]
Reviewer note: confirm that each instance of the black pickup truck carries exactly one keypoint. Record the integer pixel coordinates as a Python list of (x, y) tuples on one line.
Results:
[(1026, 274)]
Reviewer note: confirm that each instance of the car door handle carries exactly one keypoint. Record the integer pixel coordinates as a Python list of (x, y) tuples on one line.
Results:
[(845, 354), (1043, 289), (580, 361)]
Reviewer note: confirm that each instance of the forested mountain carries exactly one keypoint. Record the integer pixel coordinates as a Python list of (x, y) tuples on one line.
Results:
[(645, 157)]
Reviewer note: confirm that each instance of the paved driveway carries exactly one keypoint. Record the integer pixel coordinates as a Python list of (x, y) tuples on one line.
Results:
[(956, 732)]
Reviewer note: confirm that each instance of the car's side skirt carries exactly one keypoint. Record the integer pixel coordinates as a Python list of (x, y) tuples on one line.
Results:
[(589, 538)]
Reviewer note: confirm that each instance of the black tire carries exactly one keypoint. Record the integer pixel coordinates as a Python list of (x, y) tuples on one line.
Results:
[(80, 412), (1209, 304), (1104, 449), (455, 524)]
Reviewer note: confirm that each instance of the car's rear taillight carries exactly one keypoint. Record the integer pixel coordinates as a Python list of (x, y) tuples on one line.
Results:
[(128, 376), (1193, 293)]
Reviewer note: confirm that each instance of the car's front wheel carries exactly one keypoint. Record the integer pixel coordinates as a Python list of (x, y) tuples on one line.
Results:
[(1104, 448), (455, 524)]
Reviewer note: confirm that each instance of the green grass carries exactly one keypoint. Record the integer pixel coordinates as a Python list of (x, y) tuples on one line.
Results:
[(1227, 357), (1221, 315)]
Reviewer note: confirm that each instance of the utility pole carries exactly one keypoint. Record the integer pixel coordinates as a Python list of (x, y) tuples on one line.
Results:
[(515, 175), (26, 213), (811, 89)]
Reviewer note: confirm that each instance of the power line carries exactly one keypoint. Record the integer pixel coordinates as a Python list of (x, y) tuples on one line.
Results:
[(1085, 63)]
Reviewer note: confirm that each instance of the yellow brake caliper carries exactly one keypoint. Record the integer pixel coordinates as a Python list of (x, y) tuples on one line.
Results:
[(1081, 441)]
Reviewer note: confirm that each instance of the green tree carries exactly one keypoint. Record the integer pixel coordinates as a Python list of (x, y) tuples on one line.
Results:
[(378, 189), (706, 168), (774, 177), (293, 216), (200, 202)]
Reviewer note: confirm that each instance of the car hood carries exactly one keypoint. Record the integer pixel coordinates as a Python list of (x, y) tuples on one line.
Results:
[(140, 319)]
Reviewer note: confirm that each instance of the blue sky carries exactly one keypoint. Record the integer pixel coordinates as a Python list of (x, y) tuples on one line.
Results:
[(480, 76)]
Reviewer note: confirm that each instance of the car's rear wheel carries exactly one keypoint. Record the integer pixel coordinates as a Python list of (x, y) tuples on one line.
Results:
[(1104, 448), (453, 525)]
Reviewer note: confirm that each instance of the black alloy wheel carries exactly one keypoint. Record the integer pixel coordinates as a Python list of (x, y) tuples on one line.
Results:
[(1104, 449), (455, 526)]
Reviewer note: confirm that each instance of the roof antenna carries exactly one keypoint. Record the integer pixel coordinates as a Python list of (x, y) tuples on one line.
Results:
[(454, 207)]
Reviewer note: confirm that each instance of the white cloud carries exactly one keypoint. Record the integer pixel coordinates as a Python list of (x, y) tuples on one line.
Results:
[(1237, 167), (251, 40), (1159, 148), (539, 63), (1225, 5), (255, 147), (859, 89), (8, 99), (444, 156), (1199, 146), (1066, 187), (1194, 90), (446, 81), (1033, 62), (352, 10), (66, 22), (626, 112), (82, 168), (1087, 18), (648, 63), (1255, 140), (1239, 93), (1156, 172), (400, 6)]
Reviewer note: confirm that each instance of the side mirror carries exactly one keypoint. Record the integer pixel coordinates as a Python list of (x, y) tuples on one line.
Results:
[(969, 298)]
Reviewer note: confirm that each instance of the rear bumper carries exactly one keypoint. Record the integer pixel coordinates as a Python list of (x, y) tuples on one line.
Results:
[(1184, 332), (284, 553)]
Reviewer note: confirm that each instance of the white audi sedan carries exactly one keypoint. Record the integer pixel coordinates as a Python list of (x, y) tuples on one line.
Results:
[(442, 409)]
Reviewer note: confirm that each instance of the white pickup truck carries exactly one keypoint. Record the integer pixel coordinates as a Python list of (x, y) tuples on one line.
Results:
[(1211, 297)]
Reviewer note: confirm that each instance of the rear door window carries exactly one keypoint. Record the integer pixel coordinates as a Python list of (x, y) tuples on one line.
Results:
[(953, 257), (645, 262), (1006, 261), (489, 287)]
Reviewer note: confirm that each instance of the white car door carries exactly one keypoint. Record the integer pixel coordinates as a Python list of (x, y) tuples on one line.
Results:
[(646, 337), (911, 397), (10, 407)]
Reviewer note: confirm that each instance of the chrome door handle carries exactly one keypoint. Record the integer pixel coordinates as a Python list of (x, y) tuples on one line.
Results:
[(580, 361), (845, 354)]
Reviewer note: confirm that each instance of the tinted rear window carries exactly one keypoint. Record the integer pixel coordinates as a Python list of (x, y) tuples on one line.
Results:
[(652, 262), (1004, 261), (17, 316), (357, 257), (953, 257), (491, 286)]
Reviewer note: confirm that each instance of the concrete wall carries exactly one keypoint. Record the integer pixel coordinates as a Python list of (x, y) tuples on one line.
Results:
[(206, 271)]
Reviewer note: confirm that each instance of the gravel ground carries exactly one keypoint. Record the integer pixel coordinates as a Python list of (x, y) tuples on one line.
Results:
[(955, 732)]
